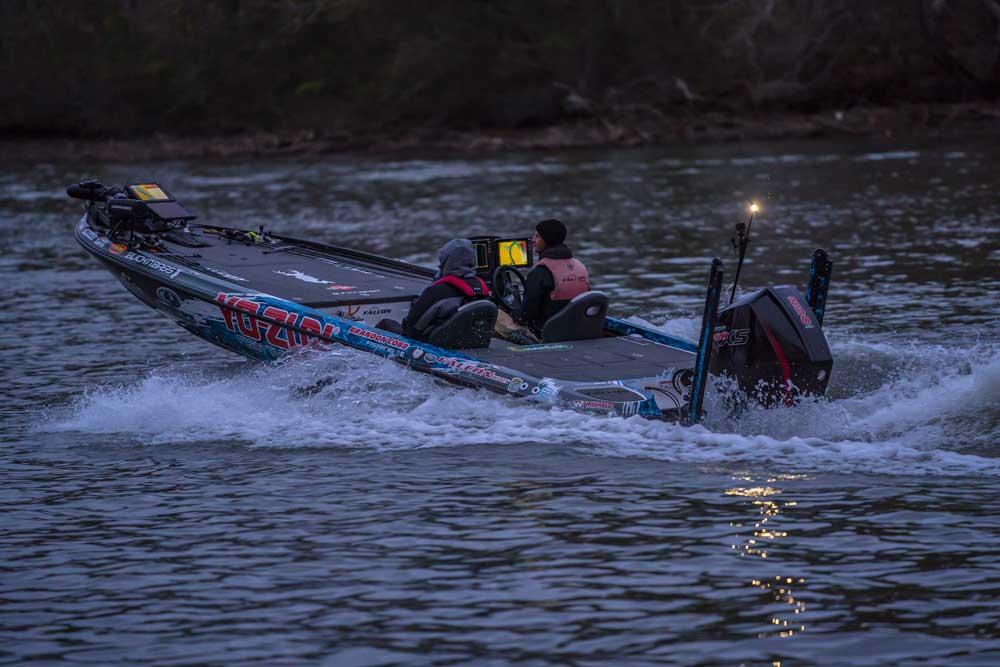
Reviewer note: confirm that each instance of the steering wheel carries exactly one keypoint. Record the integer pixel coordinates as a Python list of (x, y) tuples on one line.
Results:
[(508, 288)]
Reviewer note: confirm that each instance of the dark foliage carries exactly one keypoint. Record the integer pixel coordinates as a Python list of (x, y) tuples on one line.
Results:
[(348, 67)]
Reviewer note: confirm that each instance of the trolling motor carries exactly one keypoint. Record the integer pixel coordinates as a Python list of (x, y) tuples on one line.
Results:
[(88, 191), (140, 208), (771, 341)]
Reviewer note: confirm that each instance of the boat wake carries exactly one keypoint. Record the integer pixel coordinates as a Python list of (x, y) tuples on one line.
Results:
[(916, 409)]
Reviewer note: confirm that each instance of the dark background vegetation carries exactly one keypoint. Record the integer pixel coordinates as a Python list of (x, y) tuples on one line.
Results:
[(354, 67)]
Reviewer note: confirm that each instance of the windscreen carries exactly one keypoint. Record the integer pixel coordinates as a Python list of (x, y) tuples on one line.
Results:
[(513, 253)]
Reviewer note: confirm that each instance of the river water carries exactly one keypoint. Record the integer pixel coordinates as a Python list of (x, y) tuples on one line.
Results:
[(168, 503)]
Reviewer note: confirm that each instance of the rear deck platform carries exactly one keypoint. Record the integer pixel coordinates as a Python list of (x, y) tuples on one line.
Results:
[(597, 360)]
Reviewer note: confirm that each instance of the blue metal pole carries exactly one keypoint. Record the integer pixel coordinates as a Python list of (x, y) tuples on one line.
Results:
[(819, 283), (705, 342)]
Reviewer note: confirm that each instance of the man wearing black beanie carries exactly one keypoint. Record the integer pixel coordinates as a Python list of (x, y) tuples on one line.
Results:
[(555, 279)]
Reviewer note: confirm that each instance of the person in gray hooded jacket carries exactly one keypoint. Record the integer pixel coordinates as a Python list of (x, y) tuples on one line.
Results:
[(455, 284)]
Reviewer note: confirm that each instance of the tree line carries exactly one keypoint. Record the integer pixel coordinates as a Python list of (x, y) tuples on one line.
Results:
[(348, 67)]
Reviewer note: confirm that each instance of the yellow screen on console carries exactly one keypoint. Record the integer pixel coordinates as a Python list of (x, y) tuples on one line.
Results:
[(149, 192), (513, 253)]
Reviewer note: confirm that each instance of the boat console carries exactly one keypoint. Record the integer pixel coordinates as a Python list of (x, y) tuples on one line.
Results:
[(493, 252)]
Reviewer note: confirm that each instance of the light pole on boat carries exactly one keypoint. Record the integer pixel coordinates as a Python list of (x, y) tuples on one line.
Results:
[(740, 246)]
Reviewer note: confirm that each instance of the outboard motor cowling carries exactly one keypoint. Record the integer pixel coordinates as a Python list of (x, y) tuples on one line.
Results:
[(772, 344)]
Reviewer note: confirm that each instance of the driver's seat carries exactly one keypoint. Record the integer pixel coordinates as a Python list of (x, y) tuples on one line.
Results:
[(580, 319), (470, 326)]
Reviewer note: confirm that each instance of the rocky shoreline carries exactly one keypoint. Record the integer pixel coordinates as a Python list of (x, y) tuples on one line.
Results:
[(912, 120)]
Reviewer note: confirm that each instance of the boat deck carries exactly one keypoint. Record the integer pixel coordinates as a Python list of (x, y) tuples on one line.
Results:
[(597, 360), (324, 277), (296, 272)]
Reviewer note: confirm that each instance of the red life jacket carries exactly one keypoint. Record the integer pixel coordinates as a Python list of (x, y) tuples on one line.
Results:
[(472, 288), (570, 276)]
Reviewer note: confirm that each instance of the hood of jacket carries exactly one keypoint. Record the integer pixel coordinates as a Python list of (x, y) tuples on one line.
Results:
[(457, 258)]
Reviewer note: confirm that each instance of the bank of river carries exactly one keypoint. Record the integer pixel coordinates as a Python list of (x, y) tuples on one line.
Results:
[(687, 127)]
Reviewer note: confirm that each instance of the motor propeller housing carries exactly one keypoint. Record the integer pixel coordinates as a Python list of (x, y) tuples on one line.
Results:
[(771, 343)]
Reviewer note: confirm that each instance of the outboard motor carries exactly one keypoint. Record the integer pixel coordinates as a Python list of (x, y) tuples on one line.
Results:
[(771, 343)]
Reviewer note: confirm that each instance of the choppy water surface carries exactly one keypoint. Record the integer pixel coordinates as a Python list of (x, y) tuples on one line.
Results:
[(166, 503)]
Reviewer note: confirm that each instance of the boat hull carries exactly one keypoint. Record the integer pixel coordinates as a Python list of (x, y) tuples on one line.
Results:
[(268, 328)]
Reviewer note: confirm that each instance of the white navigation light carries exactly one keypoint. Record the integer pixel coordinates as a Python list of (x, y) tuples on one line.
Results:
[(754, 208)]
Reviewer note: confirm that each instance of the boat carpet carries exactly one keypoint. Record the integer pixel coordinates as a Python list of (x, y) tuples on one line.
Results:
[(302, 275), (596, 360)]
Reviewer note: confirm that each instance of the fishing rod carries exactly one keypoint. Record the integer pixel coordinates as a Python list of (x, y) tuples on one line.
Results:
[(740, 247)]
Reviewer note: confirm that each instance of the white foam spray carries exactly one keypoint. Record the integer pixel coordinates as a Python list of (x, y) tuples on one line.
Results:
[(928, 410)]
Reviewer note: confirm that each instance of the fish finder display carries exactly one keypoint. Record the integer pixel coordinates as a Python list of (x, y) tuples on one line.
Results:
[(149, 192), (513, 253), (493, 252), (482, 249)]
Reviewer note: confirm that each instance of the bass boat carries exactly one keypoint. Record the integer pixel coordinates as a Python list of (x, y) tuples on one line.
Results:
[(267, 296)]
